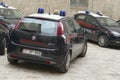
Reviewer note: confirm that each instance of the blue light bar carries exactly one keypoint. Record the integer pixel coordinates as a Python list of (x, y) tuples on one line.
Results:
[(87, 12), (41, 10), (3, 4), (62, 13)]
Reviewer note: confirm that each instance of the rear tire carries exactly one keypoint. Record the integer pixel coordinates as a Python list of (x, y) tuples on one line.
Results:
[(103, 41), (3, 47), (64, 68), (12, 61)]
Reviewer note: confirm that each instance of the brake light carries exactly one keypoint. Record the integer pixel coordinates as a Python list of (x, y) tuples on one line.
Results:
[(60, 29), (16, 26)]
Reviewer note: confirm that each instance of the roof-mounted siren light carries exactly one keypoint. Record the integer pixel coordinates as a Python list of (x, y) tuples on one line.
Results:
[(87, 12), (40, 10), (99, 13), (62, 13), (3, 4)]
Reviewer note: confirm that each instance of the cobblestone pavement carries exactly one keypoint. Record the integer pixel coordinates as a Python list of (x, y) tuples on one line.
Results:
[(99, 64)]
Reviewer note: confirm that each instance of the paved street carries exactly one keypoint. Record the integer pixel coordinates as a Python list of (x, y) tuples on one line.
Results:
[(99, 64)]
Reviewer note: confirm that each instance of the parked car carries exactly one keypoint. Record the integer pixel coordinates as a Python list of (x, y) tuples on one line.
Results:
[(118, 21), (47, 39), (10, 15), (4, 38), (99, 28)]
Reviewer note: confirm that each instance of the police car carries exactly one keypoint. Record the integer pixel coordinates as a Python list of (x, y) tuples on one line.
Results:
[(9, 16), (99, 28), (48, 39)]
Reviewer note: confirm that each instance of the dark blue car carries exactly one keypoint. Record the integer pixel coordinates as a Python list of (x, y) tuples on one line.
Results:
[(99, 28), (47, 39)]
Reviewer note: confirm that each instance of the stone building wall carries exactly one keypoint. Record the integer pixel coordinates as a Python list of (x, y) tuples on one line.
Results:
[(108, 7)]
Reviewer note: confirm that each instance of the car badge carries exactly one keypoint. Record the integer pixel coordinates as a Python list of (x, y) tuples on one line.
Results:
[(33, 37)]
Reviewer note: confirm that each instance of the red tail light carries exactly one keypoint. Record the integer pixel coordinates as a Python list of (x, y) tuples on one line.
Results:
[(16, 26), (60, 29)]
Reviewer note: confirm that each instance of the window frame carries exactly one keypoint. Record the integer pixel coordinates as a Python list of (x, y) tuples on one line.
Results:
[(68, 26), (95, 20), (77, 15), (40, 32), (77, 3)]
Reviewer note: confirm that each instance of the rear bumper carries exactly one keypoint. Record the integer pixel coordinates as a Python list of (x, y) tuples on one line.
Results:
[(52, 57), (31, 58)]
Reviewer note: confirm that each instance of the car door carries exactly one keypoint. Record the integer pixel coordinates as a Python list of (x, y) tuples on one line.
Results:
[(72, 35), (92, 27), (80, 19)]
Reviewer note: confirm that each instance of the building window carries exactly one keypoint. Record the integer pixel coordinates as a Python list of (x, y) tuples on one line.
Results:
[(79, 3)]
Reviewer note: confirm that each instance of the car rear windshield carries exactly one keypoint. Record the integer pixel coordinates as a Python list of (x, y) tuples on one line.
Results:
[(38, 26)]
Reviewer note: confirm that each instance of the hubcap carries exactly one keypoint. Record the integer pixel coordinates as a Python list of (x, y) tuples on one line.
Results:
[(101, 41)]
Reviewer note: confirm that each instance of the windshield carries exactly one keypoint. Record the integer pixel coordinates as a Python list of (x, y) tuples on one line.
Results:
[(107, 22), (38, 26), (10, 13)]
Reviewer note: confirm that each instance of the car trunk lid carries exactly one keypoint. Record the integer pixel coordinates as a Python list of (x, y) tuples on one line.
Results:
[(36, 33)]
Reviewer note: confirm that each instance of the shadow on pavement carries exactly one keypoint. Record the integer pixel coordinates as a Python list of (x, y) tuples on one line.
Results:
[(110, 47), (35, 67)]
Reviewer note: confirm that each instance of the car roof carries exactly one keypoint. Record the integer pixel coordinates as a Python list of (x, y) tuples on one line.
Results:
[(8, 7), (46, 16), (92, 14)]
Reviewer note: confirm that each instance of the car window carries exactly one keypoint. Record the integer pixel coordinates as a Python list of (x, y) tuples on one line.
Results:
[(65, 26), (108, 22), (72, 26), (78, 28), (38, 26), (17, 14), (10, 13), (80, 17), (3, 27), (91, 20)]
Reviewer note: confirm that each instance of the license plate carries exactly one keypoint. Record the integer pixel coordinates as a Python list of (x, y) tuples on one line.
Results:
[(31, 52)]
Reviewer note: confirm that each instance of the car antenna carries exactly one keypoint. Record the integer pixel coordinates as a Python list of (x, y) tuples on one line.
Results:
[(49, 11)]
